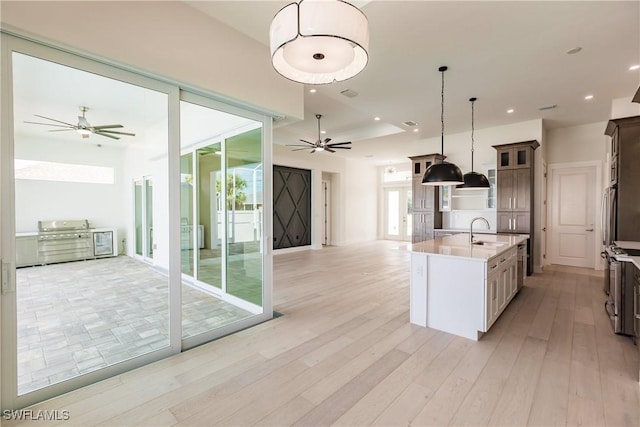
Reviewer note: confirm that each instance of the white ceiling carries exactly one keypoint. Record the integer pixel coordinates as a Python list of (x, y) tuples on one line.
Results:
[(507, 54)]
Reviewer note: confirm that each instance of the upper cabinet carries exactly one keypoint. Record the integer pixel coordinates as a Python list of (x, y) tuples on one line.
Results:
[(516, 156)]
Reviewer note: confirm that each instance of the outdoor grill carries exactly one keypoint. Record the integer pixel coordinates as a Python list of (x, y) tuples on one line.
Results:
[(60, 241)]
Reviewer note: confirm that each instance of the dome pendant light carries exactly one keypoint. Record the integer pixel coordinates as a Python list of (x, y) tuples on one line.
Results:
[(473, 179), (443, 173)]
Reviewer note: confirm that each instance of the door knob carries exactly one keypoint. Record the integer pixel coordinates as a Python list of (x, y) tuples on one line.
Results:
[(589, 229)]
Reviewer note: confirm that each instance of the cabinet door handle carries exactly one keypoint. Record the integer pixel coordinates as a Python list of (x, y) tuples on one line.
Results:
[(509, 202), (589, 229), (494, 267), (509, 223)]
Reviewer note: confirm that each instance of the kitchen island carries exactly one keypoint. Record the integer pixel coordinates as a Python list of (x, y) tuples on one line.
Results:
[(462, 288)]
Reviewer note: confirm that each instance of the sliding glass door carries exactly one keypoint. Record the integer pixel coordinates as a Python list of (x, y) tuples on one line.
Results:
[(124, 239), (83, 305), (221, 217)]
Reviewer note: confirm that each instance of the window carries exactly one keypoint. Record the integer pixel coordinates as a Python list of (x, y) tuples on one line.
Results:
[(63, 172)]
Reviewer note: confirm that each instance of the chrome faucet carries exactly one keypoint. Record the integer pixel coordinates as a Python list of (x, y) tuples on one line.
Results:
[(471, 227)]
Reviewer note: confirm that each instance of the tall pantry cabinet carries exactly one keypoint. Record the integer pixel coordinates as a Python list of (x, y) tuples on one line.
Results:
[(425, 206), (624, 177), (514, 188)]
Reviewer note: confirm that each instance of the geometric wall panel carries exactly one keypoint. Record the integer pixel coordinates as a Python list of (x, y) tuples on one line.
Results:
[(291, 207)]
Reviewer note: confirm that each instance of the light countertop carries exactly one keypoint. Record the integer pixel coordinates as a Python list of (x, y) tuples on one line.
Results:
[(466, 230), (627, 244), (458, 245)]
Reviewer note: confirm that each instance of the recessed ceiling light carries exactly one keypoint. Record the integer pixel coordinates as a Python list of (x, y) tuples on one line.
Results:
[(323, 132), (416, 130), (588, 97), (574, 50), (312, 90), (510, 110), (376, 119), (634, 67)]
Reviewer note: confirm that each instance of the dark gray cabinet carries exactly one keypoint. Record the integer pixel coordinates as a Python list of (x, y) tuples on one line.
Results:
[(624, 177), (514, 190), (426, 215)]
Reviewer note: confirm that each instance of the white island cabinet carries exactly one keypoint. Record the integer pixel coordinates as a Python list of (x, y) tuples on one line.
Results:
[(460, 288)]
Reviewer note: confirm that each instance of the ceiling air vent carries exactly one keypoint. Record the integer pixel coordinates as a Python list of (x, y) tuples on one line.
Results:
[(410, 123), (548, 107), (349, 93)]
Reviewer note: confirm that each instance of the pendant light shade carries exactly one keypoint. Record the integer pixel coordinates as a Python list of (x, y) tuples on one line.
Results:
[(443, 173), (319, 42), (473, 180)]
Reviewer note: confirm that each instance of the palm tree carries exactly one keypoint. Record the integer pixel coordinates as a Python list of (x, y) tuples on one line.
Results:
[(235, 185)]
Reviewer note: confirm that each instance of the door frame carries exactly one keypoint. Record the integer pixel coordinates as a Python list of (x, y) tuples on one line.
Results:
[(550, 236)]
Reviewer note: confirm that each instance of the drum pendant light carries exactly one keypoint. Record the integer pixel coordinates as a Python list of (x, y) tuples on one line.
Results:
[(473, 179), (443, 173), (319, 42)]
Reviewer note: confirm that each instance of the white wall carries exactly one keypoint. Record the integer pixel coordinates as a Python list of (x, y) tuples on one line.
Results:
[(353, 190), (46, 200), (152, 35), (624, 107), (577, 143)]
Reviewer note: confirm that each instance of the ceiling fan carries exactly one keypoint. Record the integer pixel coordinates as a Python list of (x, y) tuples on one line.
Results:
[(320, 145), (83, 127)]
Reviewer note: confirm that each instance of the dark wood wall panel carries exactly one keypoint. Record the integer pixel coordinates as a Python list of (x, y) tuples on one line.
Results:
[(291, 207)]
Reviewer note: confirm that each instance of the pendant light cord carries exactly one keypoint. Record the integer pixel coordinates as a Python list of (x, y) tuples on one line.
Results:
[(442, 70), (473, 100)]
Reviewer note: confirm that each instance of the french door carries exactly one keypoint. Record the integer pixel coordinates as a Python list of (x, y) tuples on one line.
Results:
[(143, 217), (397, 213)]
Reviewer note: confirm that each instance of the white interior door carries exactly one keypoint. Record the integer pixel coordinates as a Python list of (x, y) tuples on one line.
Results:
[(572, 208), (397, 213)]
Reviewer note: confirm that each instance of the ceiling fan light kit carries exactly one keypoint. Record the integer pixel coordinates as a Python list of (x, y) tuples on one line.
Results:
[(320, 145), (473, 180), (443, 173), (319, 42)]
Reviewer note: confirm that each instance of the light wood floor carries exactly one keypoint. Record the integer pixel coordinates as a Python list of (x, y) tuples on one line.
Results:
[(344, 353)]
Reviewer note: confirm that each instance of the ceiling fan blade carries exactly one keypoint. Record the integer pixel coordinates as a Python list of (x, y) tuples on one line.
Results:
[(313, 151), (295, 145), (342, 148), (51, 124), (107, 127), (329, 150), (339, 143), (300, 149), (307, 142), (59, 121), (106, 134), (327, 140), (60, 130), (100, 131)]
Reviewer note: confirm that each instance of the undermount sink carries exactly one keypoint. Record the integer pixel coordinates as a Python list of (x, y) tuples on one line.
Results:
[(485, 243)]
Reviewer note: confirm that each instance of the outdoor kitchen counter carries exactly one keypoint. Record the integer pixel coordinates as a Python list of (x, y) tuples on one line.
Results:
[(461, 288)]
